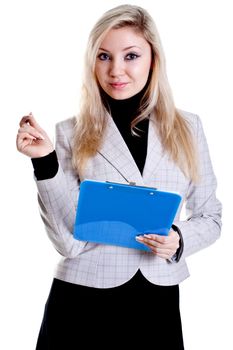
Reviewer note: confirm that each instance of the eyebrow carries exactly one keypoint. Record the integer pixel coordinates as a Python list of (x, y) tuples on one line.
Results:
[(125, 49)]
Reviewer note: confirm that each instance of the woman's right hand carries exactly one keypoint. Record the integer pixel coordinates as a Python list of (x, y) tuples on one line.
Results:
[(31, 139)]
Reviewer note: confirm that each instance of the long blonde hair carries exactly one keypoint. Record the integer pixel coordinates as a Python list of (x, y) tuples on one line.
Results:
[(174, 130)]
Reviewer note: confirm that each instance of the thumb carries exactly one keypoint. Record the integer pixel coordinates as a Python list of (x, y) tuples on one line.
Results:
[(29, 119)]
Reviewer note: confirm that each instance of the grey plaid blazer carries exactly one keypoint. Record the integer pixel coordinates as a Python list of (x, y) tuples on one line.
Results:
[(104, 266)]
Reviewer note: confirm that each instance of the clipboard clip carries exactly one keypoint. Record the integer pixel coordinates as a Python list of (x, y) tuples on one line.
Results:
[(130, 183)]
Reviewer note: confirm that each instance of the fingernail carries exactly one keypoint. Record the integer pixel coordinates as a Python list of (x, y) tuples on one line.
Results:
[(41, 137), (139, 238)]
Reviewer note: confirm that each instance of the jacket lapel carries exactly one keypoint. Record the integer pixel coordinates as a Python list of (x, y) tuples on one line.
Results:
[(116, 152), (155, 152)]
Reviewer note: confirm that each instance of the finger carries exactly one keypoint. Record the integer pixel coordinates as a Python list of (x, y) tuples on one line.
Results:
[(163, 252), (160, 249), (172, 237), (24, 136), (24, 139), (25, 119), (29, 119), (152, 240), (157, 238), (30, 130), (22, 143), (148, 241)]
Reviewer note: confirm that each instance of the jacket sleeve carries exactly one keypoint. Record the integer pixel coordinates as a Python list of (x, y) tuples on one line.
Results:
[(58, 197), (203, 224)]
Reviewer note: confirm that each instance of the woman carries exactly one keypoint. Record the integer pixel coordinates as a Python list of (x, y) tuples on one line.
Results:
[(128, 130)]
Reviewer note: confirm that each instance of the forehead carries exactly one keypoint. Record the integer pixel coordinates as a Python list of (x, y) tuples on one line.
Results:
[(119, 39)]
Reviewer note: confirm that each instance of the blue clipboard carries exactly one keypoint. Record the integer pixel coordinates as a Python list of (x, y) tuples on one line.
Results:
[(114, 213)]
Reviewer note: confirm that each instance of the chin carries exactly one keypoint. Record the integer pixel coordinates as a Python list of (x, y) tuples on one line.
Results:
[(120, 95)]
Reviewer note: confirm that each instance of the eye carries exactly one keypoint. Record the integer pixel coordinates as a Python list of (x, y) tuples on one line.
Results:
[(103, 56), (131, 56)]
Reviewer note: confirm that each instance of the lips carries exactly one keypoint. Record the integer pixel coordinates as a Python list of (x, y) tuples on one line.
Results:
[(118, 85)]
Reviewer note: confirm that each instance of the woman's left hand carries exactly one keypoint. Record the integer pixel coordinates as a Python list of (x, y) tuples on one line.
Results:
[(163, 246)]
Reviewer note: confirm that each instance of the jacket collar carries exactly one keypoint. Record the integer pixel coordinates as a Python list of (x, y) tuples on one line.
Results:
[(116, 152)]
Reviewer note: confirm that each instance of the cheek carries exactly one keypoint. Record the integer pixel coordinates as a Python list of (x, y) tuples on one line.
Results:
[(99, 73), (146, 68), (141, 71)]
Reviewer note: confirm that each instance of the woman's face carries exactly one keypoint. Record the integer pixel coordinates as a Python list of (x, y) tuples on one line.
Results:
[(123, 63)]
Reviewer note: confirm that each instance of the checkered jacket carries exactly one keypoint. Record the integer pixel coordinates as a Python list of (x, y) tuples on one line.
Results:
[(104, 266)]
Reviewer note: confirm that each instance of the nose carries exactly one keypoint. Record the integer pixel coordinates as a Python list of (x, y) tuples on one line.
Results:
[(116, 67)]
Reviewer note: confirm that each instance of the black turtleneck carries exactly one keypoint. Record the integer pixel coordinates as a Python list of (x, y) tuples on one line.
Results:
[(123, 112)]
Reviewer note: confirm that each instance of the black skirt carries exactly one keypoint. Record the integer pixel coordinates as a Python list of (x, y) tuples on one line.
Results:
[(135, 314)]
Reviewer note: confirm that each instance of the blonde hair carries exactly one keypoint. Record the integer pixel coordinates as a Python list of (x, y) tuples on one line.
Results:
[(173, 129)]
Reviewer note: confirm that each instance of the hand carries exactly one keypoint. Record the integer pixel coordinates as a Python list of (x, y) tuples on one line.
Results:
[(163, 246), (31, 139)]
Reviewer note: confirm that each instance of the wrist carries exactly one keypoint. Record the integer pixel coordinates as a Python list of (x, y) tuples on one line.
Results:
[(45, 167)]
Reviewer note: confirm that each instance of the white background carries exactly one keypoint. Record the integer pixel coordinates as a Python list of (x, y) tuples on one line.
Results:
[(42, 45)]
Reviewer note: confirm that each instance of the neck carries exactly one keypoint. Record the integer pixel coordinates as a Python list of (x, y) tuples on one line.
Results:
[(128, 108)]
